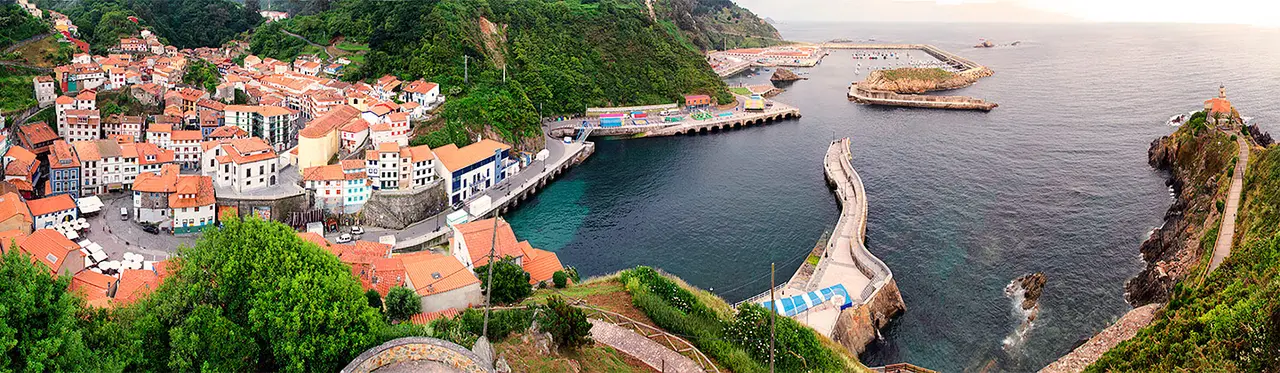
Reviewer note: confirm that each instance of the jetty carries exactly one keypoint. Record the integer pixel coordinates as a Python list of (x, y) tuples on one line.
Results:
[(851, 293), (965, 66), (874, 97), (659, 126)]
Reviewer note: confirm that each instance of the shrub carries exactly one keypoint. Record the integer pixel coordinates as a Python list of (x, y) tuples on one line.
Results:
[(573, 274), (511, 283), (568, 325), (453, 330), (750, 329), (501, 322), (402, 303), (375, 299), (560, 279)]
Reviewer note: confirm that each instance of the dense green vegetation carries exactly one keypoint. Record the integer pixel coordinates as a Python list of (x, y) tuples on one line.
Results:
[(17, 25), (568, 326), (38, 325), (733, 340), (1230, 320), (17, 91), (560, 56), (717, 24), (917, 73), (402, 303), (181, 23), (202, 74), (510, 281)]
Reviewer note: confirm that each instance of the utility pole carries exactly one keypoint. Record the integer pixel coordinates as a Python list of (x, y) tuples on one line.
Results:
[(773, 314), (493, 244), (466, 73), (504, 74)]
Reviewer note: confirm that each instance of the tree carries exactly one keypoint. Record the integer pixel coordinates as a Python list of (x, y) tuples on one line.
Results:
[(560, 279), (511, 283), (402, 303), (38, 330), (375, 299), (208, 342), (301, 307), (568, 325)]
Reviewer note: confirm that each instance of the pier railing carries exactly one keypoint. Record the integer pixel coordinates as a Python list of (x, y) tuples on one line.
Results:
[(870, 265)]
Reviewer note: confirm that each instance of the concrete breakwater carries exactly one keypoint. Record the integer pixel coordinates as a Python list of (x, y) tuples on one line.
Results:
[(864, 96), (879, 300), (688, 126)]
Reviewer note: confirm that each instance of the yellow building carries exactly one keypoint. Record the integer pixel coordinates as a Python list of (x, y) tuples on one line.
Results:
[(319, 141)]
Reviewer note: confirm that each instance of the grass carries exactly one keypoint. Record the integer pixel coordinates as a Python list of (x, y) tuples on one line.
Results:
[(915, 73), (352, 47), (38, 53), (318, 51), (812, 260), (740, 91), (523, 355), (16, 93)]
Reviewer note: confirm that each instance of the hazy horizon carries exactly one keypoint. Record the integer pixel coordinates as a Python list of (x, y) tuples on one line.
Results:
[(1237, 12)]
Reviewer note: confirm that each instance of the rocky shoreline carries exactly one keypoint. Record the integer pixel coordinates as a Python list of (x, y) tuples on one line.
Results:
[(1173, 248), (880, 81)]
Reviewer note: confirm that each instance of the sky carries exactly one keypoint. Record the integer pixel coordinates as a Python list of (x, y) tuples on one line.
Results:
[(1249, 12)]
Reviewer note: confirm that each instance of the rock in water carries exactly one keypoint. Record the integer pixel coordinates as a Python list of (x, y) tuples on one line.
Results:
[(784, 75), (1032, 287)]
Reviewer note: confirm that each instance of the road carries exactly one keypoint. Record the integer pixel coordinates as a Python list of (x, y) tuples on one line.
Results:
[(1227, 230)]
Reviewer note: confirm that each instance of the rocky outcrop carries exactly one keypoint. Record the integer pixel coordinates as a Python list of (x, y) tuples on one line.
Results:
[(1260, 137), (784, 75), (920, 80), (397, 210), (1174, 248), (1031, 285), (860, 325), (1025, 292)]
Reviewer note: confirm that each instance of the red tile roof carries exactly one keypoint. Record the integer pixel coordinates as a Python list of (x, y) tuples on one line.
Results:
[(49, 205), (49, 247), (199, 186), (419, 86), (433, 273), (136, 284), (37, 132), (479, 237), (454, 158), (427, 317), (330, 122)]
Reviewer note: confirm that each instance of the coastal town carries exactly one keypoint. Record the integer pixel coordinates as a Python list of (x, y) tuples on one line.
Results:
[(110, 198)]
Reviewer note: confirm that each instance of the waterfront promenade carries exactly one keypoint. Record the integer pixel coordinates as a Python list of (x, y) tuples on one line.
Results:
[(846, 262), (689, 126)]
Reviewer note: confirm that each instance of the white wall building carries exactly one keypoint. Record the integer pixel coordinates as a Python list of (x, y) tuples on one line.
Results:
[(242, 165), (393, 167)]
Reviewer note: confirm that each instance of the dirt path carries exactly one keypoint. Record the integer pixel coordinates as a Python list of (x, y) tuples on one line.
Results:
[(635, 345), (1227, 230)]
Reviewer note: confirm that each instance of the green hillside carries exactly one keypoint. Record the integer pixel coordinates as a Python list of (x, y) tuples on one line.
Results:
[(17, 25), (1229, 321), (560, 57), (717, 24), (181, 23)]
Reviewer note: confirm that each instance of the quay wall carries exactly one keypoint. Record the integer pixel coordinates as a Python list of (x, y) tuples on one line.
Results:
[(393, 209), (880, 300), (864, 96), (688, 127)]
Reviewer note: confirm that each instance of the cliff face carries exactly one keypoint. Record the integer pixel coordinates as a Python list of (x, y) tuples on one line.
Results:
[(858, 326), (1197, 165), (717, 24), (917, 80)]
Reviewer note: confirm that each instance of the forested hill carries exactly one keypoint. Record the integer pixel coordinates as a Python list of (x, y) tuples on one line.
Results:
[(717, 24), (181, 23), (560, 56)]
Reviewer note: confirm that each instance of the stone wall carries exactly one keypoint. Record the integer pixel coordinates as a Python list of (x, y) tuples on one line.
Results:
[(396, 210), (280, 207), (418, 349), (857, 326)]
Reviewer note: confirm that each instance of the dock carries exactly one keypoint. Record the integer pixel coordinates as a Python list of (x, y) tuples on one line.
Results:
[(863, 96), (688, 126)]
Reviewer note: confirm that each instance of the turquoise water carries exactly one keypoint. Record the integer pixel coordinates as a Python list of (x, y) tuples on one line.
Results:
[(1054, 180)]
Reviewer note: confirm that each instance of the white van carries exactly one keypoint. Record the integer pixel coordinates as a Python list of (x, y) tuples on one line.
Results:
[(124, 213)]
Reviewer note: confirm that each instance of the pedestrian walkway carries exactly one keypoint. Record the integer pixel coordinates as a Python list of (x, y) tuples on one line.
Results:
[(652, 353), (1227, 230)]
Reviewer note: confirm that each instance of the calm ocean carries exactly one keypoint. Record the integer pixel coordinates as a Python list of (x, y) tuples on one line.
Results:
[(1054, 180)]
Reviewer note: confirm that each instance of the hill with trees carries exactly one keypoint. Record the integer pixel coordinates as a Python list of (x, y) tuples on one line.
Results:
[(718, 24), (17, 25), (181, 23), (559, 57)]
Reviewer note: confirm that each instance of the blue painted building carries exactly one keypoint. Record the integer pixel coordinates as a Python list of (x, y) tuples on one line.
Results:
[(64, 170)]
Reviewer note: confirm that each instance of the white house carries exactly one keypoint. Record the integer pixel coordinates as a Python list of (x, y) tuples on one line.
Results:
[(242, 165), (425, 94), (51, 211), (471, 169), (80, 125), (45, 92), (393, 167), (103, 166), (343, 186)]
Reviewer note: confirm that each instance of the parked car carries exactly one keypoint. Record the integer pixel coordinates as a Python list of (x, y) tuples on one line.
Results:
[(344, 238), (150, 229), (356, 230)]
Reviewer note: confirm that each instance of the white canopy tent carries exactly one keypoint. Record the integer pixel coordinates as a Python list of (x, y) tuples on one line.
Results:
[(89, 205)]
